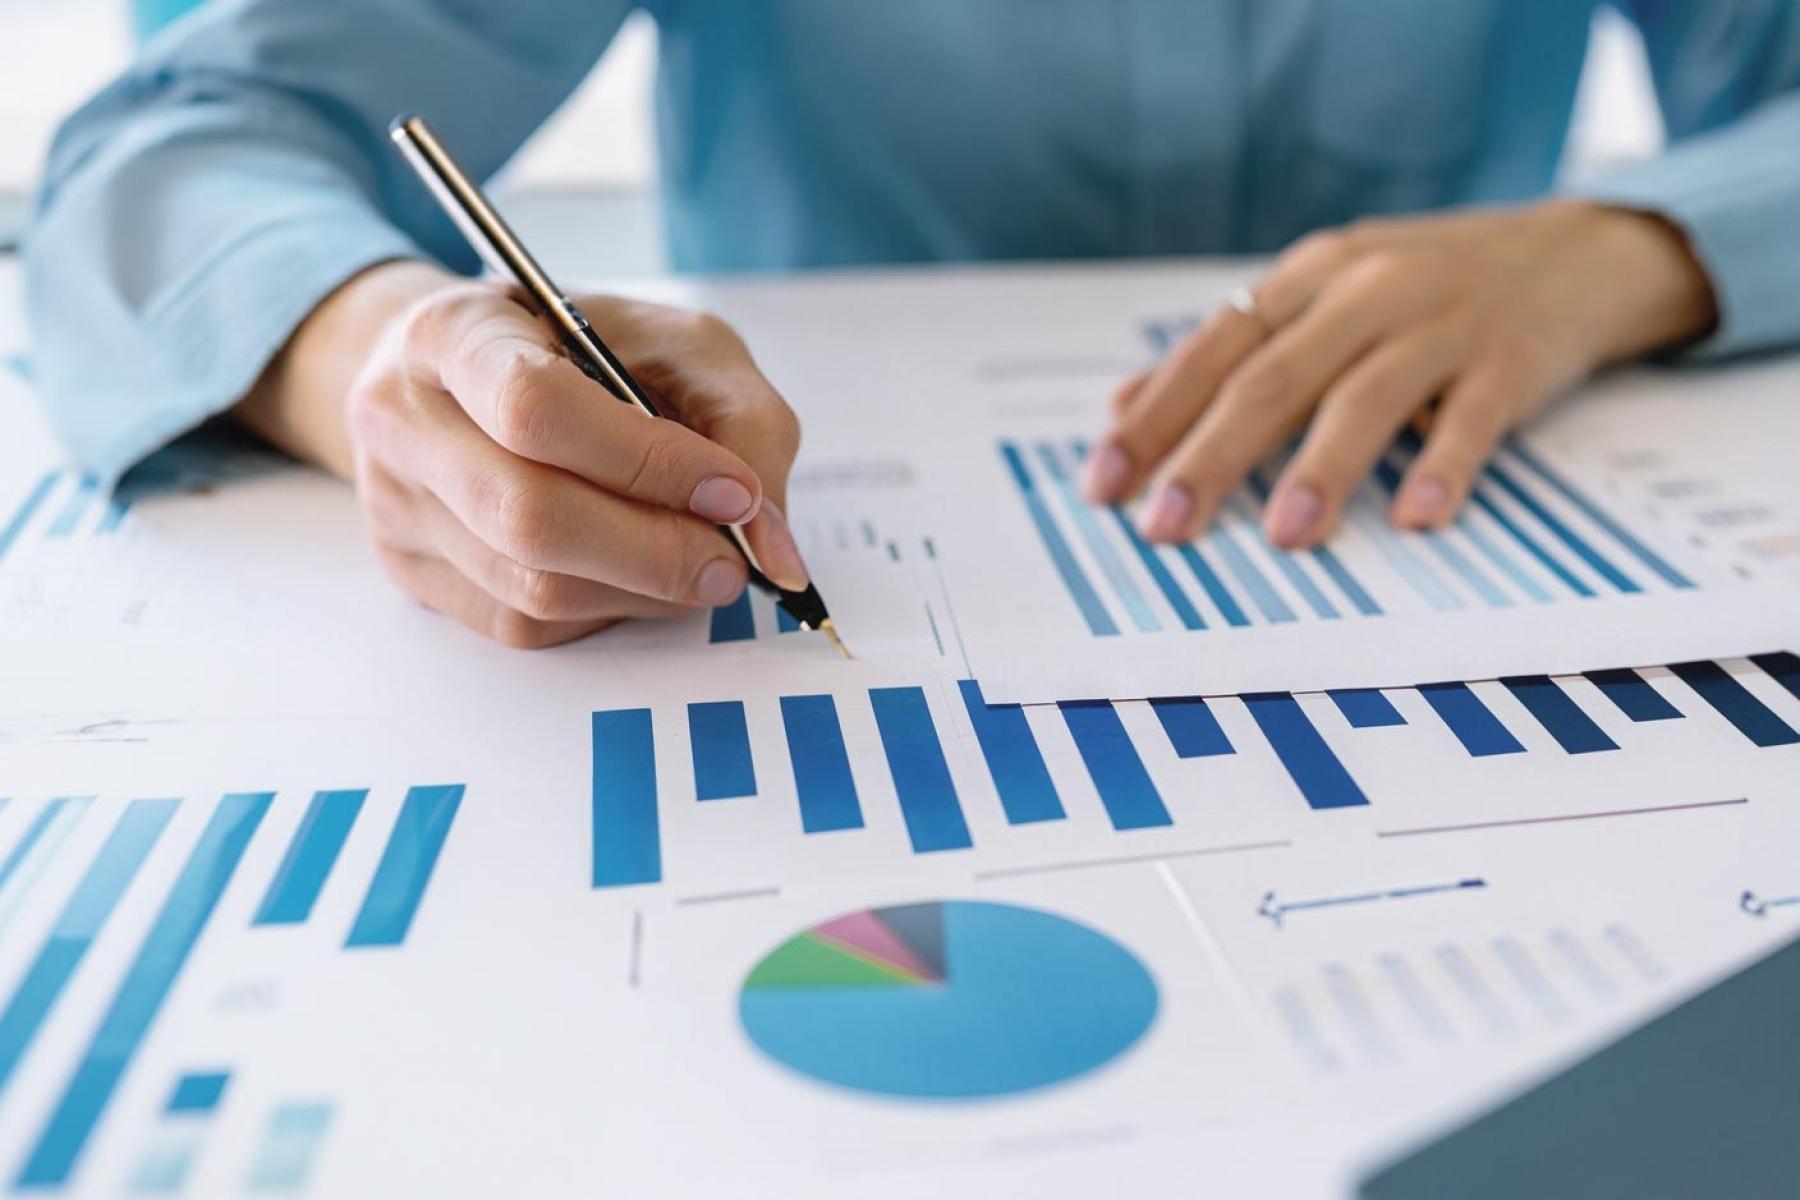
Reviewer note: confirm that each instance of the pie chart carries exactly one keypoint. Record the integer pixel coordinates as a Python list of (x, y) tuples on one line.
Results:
[(954, 999)]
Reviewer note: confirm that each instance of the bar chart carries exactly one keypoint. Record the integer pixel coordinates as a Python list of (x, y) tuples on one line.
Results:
[(949, 764)]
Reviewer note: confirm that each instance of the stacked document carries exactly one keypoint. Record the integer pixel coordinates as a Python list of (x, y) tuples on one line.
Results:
[(1104, 864)]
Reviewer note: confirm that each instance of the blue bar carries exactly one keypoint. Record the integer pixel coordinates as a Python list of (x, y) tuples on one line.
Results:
[(1572, 728), (69, 519), (284, 1161), (934, 816), (1310, 761), (822, 779), (40, 824), (1389, 476), (1532, 547), (146, 985), (1215, 587), (406, 865), (1013, 758), (733, 622), (1099, 621), (198, 1092), (1153, 563), (1125, 787), (116, 510), (1392, 546), (1569, 537), (1783, 668), (627, 839), (1191, 726), (1238, 563), (1754, 719), (81, 920), (1340, 575), (1520, 577), (1600, 517), (1479, 730), (1111, 565), (9, 533), (720, 741), (1632, 695), (310, 857), (1366, 708), (784, 620), (1290, 566)]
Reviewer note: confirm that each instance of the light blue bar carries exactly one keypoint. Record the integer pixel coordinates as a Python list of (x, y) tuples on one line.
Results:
[(1340, 574), (198, 1092), (1111, 565), (82, 918), (33, 832), (1522, 579), (290, 1147), (1185, 612), (1413, 569), (1530, 544), (69, 519), (1099, 621), (626, 835), (1238, 563), (1600, 516), (1484, 587), (163, 1170), (9, 533), (310, 857), (1557, 526), (406, 865), (146, 985), (1214, 586), (1296, 574), (922, 783)]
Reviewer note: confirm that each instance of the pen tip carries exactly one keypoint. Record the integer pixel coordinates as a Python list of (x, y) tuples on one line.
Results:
[(830, 631)]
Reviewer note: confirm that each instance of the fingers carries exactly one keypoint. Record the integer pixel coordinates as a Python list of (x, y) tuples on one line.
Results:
[(1353, 427), (1476, 413), (442, 588), (1276, 388), (1166, 405)]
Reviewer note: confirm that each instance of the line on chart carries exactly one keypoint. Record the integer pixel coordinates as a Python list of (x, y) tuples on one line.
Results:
[(1124, 859), (1582, 816), (1757, 906), (1276, 910), (720, 897)]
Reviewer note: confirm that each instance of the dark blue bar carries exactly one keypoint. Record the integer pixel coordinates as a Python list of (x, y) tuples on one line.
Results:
[(1153, 563), (1479, 730), (1366, 708), (1570, 538), (1530, 544), (720, 742), (733, 622), (1601, 517), (1125, 787), (1733, 701), (1191, 726), (146, 985), (1099, 621), (822, 779), (1783, 668), (784, 620), (406, 865), (1632, 695), (1310, 761), (310, 857), (1572, 728), (79, 924), (1215, 587), (934, 816), (627, 838), (198, 1092), (9, 533), (1013, 758)]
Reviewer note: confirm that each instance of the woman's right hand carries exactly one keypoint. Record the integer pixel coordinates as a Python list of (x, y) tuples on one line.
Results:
[(505, 488)]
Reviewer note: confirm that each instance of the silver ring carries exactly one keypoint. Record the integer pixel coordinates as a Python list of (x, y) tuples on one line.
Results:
[(1243, 300)]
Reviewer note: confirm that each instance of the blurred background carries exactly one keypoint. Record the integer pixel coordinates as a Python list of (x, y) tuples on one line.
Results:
[(593, 165)]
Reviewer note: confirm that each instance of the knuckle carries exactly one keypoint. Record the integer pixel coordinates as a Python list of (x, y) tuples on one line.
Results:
[(664, 466), (524, 406), (525, 520), (1322, 246), (711, 329), (544, 595)]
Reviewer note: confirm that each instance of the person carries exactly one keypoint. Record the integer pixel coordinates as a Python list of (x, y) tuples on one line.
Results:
[(224, 228)]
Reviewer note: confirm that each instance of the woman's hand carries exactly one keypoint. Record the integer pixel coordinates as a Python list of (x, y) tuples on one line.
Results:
[(1354, 331), (506, 489)]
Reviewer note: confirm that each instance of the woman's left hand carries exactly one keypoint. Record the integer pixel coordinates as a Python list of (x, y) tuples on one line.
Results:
[(1354, 331)]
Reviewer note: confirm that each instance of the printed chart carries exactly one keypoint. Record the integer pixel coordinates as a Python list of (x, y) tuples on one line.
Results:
[(959, 999)]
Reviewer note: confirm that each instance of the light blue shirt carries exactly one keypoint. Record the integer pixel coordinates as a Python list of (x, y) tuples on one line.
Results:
[(197, 209)]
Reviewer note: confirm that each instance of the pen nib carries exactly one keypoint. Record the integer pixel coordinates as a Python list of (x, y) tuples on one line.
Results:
[(830, 631)]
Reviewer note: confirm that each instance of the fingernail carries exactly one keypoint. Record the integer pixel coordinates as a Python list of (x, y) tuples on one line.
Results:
[(1107, 474), (719, 582), (1422, 502), (1165, 518), (722, 498), (1293, 513), (780, 556)]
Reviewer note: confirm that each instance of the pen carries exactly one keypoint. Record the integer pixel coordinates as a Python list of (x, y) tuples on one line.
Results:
[(501, 249)]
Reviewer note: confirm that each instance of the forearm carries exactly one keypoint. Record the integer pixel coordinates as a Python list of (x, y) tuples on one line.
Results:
[(298, 403)]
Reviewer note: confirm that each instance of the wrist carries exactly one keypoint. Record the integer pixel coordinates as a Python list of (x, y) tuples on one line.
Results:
[(1654, 294)]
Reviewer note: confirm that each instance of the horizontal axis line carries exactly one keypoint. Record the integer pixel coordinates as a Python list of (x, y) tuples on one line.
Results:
[(1121, 860), (1584, 816)]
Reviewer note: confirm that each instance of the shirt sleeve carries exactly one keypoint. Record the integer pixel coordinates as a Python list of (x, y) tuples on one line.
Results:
[(196, 210), (1727, 77)]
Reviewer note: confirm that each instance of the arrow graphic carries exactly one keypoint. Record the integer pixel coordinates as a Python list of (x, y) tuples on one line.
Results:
[(1276, 910), (1756, 906)]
